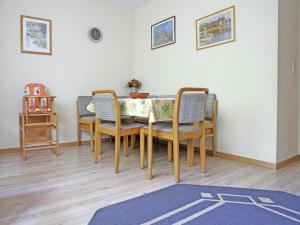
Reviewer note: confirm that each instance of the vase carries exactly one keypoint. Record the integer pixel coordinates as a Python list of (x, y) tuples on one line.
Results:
[(133, 90)]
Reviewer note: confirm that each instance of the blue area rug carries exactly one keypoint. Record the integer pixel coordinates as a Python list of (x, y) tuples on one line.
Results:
[(204, 205)]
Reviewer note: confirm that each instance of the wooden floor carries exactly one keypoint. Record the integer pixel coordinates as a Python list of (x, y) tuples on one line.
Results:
[(68, 189)]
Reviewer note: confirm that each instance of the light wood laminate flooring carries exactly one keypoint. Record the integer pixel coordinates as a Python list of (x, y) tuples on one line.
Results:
[(68, 189)]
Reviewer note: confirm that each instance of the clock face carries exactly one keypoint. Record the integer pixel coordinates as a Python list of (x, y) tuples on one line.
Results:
[(95, 34)]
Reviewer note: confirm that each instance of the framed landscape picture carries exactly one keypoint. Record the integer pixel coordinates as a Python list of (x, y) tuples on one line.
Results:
[(216, 29), (163, 33), (36, 35)]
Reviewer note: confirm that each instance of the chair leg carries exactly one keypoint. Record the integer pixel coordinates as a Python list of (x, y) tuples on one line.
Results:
[(57, 140), (23, 140), (170, 151), (97, 146), (78, 135), (24, 154), (92, 136), (20, 139), (202, 153), (150, 150), (23, 148), (142, 149), (100, 144), (132, 140), (125, 145), (176, 160), (117, 153), (214, 145), (190, 152)]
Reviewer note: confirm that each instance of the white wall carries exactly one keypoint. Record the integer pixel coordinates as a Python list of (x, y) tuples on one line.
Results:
[(243, 74), (77, 66), (288, 99), (298, 69)]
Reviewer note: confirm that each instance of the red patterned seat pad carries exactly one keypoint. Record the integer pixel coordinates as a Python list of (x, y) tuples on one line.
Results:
[(37, 104)]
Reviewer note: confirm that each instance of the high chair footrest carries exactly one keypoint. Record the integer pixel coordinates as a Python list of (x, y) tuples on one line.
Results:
[(40, 125), (40, 147), (41, 143), (41, 114)]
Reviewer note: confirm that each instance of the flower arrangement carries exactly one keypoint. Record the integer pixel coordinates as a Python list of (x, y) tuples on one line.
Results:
[(134, 84)]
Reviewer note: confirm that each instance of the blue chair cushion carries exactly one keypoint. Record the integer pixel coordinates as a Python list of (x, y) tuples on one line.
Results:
[(124, 126), (167, 127), (89, 118)]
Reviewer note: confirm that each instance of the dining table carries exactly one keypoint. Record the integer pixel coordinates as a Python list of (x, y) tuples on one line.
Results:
[(153, 109)]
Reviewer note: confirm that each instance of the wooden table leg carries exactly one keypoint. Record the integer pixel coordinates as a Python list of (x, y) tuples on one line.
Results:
[(132, 140), (170, 150), (142, 149), (150, 150)]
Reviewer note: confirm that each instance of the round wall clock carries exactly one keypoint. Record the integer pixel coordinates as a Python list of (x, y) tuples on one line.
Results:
[(95, 34)]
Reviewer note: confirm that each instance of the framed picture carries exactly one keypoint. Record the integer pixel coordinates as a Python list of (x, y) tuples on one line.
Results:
[(36, 35), (163, 33), (216, 29)]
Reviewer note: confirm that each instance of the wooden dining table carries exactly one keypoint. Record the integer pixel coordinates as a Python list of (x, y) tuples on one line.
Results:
[(154, 109)]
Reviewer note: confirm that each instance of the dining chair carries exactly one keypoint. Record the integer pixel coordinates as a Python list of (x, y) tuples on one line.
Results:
[(210, 123), (133, 137), (85, 119), (188, 109), (108, 110)]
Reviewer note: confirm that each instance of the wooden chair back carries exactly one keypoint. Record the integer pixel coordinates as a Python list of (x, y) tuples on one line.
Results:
[(107, 106), (210, 109), (189, 106)]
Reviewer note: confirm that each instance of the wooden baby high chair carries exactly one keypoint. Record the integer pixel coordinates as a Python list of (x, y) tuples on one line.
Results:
[(38, 121)]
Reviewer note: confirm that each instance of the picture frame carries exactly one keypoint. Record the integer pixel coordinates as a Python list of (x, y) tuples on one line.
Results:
[(216, 29), (36, 35), (163, 33)]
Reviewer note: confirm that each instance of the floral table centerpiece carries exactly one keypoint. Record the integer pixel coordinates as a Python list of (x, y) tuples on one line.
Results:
[(134, 85)]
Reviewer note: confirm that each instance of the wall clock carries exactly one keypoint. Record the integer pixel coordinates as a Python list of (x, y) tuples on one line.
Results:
[(95, 34)]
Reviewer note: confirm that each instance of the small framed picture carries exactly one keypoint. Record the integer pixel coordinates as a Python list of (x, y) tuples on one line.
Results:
[(36, 35), (163, 33), (216, 29)]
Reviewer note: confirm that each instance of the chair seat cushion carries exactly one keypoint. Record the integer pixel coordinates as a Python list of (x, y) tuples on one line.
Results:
[(89, 118), (124, 125), (167, 127), (37, 104)]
